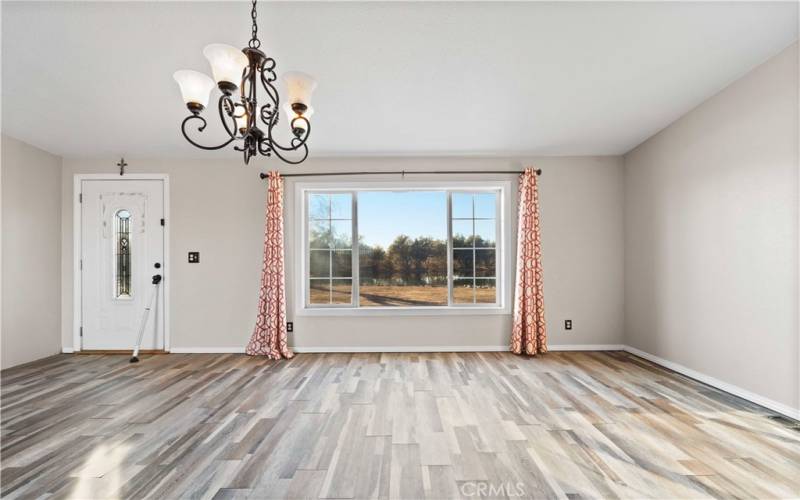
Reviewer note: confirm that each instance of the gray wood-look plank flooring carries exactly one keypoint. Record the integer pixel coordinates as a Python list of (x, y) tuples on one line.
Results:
[(445, 425)]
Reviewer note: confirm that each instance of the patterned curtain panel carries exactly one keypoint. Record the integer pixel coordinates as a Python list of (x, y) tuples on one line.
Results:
[(269, 336), (528, 335)]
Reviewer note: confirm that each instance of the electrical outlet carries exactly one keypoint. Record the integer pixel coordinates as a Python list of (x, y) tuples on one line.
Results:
[(567, 324), (194, 257), (289, 326)]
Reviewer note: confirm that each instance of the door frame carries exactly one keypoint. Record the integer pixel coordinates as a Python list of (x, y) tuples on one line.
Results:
[(77, 250)]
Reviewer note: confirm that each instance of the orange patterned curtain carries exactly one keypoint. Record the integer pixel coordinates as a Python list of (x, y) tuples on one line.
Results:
[(269, 337), (528, 335)]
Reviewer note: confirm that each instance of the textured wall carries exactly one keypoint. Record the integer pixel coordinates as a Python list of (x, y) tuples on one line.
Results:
[(217, 208), (711, 236), (31, 253)]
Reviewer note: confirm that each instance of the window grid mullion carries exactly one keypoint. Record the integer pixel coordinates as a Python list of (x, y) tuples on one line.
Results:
[(330, 249), (499, 263), (355, 270), (449, 248), (474, 254), (307, 259)]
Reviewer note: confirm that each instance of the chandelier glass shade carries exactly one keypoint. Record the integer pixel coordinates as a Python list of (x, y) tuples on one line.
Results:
[(239, 74)]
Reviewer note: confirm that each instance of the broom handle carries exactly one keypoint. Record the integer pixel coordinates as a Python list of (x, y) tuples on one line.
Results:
[(145, 313)]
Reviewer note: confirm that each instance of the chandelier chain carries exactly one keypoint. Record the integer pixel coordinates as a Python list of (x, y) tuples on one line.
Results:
[(254, 42)]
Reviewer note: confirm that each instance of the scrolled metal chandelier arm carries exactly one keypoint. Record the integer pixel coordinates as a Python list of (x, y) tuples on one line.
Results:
[(268, 70), (297, 142), (241, 115), (226, 108), (270, 116), (200, 129), (273, 107), (296, 146), (272, 110)]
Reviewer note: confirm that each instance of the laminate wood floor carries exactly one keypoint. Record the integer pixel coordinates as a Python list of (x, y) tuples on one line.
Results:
[(565, 425)]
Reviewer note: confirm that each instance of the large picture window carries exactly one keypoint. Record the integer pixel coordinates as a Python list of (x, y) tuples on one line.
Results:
[(421, 248)]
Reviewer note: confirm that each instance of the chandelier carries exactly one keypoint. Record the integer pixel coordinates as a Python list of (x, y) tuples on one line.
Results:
[(250, 127)]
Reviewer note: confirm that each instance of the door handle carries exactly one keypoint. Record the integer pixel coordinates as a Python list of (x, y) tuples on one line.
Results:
[(157, 265)]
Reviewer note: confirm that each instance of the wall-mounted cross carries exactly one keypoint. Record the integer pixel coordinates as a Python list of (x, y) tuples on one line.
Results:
[(122, 166)]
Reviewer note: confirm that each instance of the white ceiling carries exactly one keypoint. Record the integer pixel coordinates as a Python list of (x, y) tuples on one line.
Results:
[(95, 79)]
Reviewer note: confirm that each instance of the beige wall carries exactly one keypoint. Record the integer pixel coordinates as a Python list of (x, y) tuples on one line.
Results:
[(711, 236), (217, 209), (695, 232), (31, 253)]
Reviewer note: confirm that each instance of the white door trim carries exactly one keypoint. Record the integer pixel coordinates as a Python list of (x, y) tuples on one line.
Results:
[(77, 250)]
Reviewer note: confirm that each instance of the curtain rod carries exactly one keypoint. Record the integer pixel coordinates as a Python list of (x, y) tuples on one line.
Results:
[(404, 172)]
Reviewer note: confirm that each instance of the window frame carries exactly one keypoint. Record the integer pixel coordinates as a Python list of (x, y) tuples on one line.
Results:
[(354, 277), (498, 249), (503, 250)]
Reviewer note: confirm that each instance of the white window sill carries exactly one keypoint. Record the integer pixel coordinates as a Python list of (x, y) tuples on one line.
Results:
[(403, 311)]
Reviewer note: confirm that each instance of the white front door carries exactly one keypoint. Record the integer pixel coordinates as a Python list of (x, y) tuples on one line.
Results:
[(122, 247)]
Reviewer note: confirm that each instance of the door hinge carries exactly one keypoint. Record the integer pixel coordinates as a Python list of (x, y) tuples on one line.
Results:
[(81, 264), (80, 197), (81, 331), (162, 222)]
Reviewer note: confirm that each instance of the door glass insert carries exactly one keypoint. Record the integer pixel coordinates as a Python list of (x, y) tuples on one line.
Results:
[(122, 247)]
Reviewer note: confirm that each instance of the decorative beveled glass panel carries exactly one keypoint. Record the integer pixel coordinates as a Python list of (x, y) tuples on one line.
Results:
[(122, 254)]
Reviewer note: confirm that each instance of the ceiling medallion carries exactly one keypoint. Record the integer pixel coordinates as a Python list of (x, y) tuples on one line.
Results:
[(237, 74)]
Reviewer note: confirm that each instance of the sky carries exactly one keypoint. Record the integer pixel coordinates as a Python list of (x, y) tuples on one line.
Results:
[(383, 215)]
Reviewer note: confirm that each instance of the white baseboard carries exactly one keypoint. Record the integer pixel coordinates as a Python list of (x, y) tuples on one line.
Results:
[(67, 350), (341, 349), (451, 348), (586, 347), (417, 348), (719, 384), (206, 350)]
